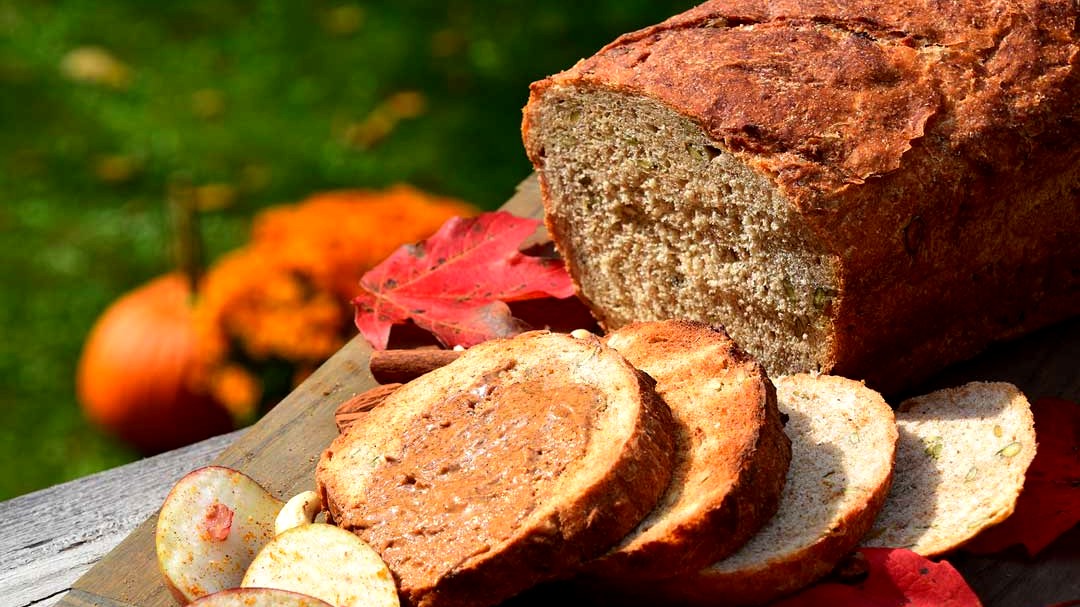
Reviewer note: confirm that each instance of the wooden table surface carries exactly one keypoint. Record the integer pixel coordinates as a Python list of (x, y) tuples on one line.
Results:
[(89, 542)]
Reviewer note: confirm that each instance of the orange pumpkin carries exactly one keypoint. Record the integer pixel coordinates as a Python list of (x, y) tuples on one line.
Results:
[(137, 369)]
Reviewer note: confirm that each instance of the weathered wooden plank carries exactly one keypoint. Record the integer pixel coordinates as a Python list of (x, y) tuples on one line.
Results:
[(526, 199), (279, 452), (81, 598), (1013, 580), (51, 537)]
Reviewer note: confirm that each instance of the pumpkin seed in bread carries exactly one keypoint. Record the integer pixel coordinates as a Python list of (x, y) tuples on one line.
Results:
[(960, 466)]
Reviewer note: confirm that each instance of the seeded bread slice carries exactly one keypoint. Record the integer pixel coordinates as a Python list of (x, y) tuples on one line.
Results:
[(843, 439), (732, 453), (960, 466), (513, 464)]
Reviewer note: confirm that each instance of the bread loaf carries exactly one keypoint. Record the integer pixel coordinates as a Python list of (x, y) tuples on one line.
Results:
[(731, 451), (511, 465), (960, 466), (872, 189)]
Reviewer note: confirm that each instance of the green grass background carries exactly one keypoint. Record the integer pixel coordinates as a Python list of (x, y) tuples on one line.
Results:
[(289, 76)]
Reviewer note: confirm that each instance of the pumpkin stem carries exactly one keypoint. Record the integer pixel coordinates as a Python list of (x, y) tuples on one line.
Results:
[(187, 238)]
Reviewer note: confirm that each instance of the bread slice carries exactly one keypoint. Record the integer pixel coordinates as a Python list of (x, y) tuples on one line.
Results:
[(824, 179), (843, 438), (513, 464), (960, 466), (732, 453)]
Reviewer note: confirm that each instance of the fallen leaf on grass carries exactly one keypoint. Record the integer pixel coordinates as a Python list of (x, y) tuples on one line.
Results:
[(457, 283), (95, 65), (1050, 502), (897, 578)]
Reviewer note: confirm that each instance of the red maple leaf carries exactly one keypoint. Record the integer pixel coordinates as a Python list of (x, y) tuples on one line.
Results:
[(1050, 502), (457, 283), (897, 578)]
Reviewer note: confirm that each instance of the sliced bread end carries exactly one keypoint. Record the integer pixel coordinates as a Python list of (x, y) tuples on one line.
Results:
[(960, 466), (843, 438), (732, 456)]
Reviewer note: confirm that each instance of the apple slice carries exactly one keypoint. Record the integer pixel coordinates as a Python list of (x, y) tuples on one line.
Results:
[(212, 524), (324, 561), (258, 597)]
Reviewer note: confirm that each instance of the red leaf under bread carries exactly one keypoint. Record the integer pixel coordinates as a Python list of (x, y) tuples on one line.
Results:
[(897, 577), (457, 283), (1050, 502)]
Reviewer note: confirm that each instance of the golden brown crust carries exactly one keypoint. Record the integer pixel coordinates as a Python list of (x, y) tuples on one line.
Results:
[(930, 147), (783, 577), (878, 73), (788, 555), (733, 451), (586, 509)]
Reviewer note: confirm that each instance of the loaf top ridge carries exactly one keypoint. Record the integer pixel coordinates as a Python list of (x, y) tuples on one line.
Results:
[(824, 95)]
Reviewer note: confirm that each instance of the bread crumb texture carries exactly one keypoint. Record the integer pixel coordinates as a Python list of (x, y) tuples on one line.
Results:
[(960, 466), (657, 200), (843, 439)]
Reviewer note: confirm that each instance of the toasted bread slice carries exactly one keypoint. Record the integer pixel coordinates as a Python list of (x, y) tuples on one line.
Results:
[(732, 451), (843, 439), (960, 466), (513, 464)]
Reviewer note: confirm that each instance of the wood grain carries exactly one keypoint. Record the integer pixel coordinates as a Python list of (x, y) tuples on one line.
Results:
[(281, 451), (52, 536)]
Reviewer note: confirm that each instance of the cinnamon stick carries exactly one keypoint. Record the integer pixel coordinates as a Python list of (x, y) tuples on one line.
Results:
[(391, 368), (355, 408), (400, 366)]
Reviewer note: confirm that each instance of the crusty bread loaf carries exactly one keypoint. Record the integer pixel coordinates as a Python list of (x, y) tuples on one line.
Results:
[(513, 464), (873, 189), (960, 466), (843, 439), (732, 453)]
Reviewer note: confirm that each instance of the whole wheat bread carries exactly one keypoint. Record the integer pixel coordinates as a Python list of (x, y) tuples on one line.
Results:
[(872, 189), (513, 464), (960, 466), (843, 438), (731, 452)]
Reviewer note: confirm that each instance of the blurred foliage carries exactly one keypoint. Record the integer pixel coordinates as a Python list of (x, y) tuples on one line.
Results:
[(281, 304), (257, 103)]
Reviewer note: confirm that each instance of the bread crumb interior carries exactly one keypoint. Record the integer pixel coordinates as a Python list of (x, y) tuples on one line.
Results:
[(662, 222)]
